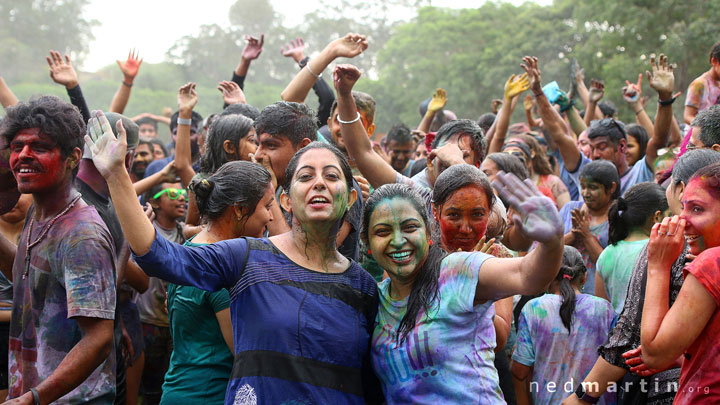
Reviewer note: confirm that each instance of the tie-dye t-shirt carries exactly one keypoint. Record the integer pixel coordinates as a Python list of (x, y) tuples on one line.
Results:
[(615, 266), (71, 274), (600, 232), (703, 92), (700, 373), (561, 360), (447, 358)]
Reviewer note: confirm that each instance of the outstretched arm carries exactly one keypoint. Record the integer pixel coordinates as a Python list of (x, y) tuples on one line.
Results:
[(437, 103), (187, 98), (129, 68), (63, 73), (252, 50), (597, 91), (632, 94), (513, 88), (7, 97), (662, 80), (348, 46), (528, 105)]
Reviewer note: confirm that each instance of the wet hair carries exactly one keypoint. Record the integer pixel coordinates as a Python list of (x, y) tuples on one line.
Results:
[(364, 103), (607, 108), (242, 109), (399, 133), (715, 52), (633, 209), (147, 121), (641, 137), (458, 176), (709, 123), (425, 289), (603, 172), (295, 160), (294, 121), (156, 141), (462, 127), (485, 121), (540, 163), (58, 120), (571, 269), (610, 127), (509, 164), (691, 162), (196, 119), (233, 128), (234, 183), (710, 176)]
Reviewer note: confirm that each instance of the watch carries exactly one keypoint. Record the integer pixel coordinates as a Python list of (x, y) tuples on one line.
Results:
[(584, 396)]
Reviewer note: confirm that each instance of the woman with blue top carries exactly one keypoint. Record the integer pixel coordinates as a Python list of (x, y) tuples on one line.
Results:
[(434, 337), (236, 202), (302, 313)]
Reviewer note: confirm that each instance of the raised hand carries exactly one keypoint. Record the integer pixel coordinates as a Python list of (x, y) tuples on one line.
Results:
[(253, 47), (62, 72), (168, 173), (187, 97), (107, 150), (667, 242), (495, 105), (438, 101), (131, 66), (484, 246), (597, 90), (294, 49), (344, 78), (530, 66), (528, 103), (563, 100), (349, 46), (539, 218), (364, 186), (632, 91), (231, 92), (516, 86), (662, 78), (578, 73)]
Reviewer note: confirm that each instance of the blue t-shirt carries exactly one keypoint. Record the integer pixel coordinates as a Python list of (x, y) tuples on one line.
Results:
[(560, 358), (201, 361), (449, 355), (599, 231), (300, 336)]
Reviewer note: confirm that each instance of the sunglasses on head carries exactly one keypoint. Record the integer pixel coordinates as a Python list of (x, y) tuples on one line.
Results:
[(172, 193), (609, 122)]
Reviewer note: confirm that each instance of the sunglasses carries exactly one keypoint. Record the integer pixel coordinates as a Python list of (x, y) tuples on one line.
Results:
[(609, 122), (172, 193)]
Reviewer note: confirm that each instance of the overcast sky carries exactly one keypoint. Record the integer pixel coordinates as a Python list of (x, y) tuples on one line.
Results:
[(134, 23)]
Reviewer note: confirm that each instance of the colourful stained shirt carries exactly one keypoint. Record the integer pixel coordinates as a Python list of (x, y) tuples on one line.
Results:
[(448, 357), (703, 92), (71, 274), (561, 360), (600, 232), (700, 373), (615, 266)]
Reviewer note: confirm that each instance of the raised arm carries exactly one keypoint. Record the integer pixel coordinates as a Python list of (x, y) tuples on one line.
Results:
[(348, 46), (231, 93), (7, 97), (662, 80), (540, 221), (63, 73), (513, 88), (187, 98), (597, 91), (358, 145), (166, 175), (252, 50), (552, 121), (296, 50), (129, 69), (437, 103), (528, 105), (632, 94)]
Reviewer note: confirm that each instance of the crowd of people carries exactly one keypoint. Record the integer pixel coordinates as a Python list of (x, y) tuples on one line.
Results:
[(280, 255)]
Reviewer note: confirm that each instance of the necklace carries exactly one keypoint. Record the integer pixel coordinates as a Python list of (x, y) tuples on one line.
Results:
[(44, 232)]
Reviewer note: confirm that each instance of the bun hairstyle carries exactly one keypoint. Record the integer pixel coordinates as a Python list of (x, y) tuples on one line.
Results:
[(234, 183), (633, 209), (571, 270)]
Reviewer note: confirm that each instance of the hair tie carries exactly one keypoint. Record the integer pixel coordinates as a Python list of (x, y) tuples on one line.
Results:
[(567, 276)]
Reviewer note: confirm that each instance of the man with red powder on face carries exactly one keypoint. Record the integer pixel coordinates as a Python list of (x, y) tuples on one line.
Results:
[(61, 332)]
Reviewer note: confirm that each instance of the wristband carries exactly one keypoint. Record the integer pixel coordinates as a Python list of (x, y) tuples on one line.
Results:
[(126, 83), (304, 61), (36, 396), (184, 121), (311, 72), (349, 122), (667, 102), (539, 94)]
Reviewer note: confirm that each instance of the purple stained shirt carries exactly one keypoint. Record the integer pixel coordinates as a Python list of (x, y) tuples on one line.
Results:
[(561, 359), (601, 234), (447, 359)]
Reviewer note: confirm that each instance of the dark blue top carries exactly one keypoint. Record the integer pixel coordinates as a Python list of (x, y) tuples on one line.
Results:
[(300, 336)]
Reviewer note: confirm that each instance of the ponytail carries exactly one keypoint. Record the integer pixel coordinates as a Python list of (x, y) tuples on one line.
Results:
[(571, 270), (568, 305), (633, 209)]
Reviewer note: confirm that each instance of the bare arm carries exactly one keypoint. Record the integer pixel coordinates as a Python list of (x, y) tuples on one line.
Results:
[(252, 50), (129, 69), (167, 174), (513, 88), (662, 80), (187, 98), (676, 134), (135, 277), (597, 91), (7, 256), (600, 290), (437, 103), (223, 318), (576, 122), (689, 114), (598, 380), (528, 105), (502, 322), (7, 97), (349, 46), (521, 380)]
